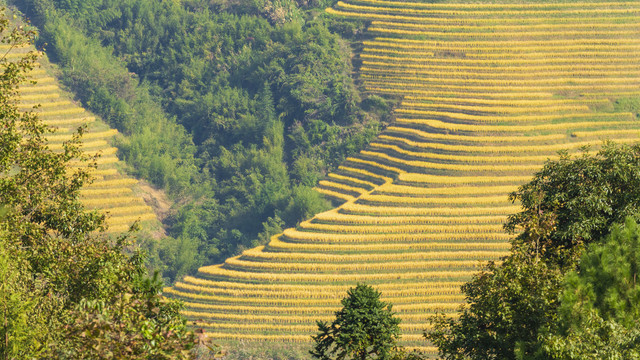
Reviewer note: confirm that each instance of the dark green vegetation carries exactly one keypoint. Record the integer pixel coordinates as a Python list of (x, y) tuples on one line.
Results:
[(599, 315), (567, 291), (235, 109), (67, 291), (364, 328)]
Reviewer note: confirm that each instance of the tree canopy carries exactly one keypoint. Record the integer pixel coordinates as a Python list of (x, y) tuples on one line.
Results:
[(570, 204), (574, 201), (599, 312), (365, 328), (68, 291)]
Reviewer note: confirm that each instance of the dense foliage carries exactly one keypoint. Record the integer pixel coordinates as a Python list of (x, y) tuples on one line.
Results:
[(570, 203), (599, 313), (506, 305), (68, 291), (237, 109), (365, 328)]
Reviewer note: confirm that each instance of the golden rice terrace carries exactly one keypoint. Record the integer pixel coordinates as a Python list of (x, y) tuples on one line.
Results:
[(111, 192), (490, 91)]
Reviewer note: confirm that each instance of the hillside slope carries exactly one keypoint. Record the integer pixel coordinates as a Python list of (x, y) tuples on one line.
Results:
[(489, 93), (112, 192), (234, 114)]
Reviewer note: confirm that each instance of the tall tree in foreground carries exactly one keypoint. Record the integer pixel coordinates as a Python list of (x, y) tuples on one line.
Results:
[(599, 313), (572, 202), (505, 307), (365, 328), (569, 204), (68, 291)]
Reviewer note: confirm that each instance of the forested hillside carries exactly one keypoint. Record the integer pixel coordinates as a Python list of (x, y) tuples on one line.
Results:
[(235, 109)]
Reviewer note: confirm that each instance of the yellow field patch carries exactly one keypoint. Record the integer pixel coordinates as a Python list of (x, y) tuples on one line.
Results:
[(430, 239)]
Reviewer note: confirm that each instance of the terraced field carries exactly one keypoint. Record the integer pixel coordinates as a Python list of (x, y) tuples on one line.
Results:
[(489, 92), (111, 192)]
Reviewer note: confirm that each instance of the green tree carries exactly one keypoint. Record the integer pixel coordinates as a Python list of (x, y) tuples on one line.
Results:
[(68, 291), (599, 312), (569, 204), (18, 332), (574, 201), (505, 306), (365, 328)]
